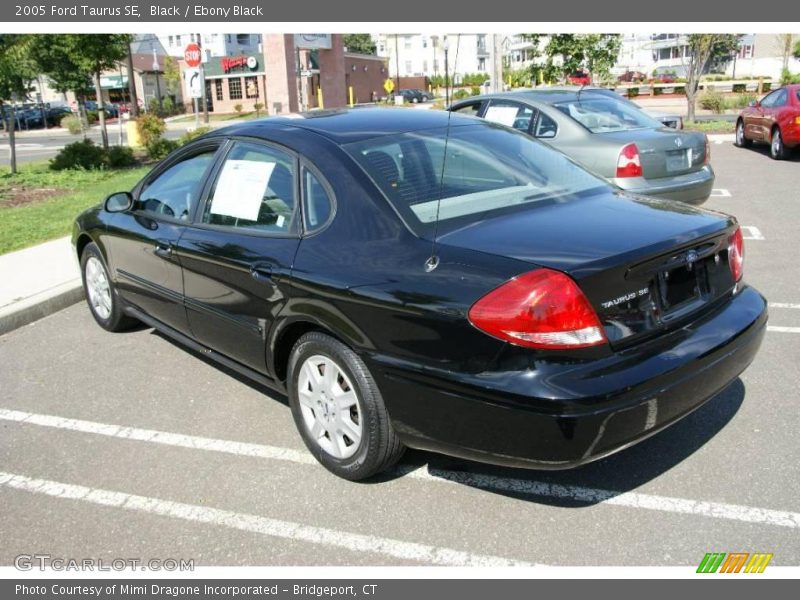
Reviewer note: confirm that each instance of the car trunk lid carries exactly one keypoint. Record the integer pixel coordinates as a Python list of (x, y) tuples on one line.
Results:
[(663, 152)]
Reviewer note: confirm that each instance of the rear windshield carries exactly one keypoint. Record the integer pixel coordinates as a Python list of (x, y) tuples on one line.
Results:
[(600, 115), (487, 170)]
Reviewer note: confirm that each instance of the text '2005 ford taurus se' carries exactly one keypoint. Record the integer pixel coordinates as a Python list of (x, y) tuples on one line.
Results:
[(418, 279)]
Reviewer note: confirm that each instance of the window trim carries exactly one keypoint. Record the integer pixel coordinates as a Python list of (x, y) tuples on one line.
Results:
[(185, 153), (535, 126), (296, 231), (511, 101), (307, 165)]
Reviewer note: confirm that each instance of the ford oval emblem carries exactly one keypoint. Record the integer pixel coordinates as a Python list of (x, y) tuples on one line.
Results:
[(678, 142)]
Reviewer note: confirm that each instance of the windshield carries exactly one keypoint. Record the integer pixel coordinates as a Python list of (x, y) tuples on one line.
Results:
[(600, 115), (489, 170)]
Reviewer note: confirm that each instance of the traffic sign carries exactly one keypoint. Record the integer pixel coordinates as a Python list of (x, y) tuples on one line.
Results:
[(192, 55), (388, 85), (194, 82)]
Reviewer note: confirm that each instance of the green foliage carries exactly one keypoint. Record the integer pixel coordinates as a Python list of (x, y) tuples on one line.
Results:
[(160, 147), (79, 155), (150, 127), (796, 51), (475, 90), (712, 100), (92, 116), (258, 107), (739, 101), (460, 94), (787, 77), (168, 105), (190, 135), (633, 92), (153, 106), (596, 52), (360, 43), (71, 123), (238, 108), (172, 72), (518, 77), (120, 156), (466, 79)]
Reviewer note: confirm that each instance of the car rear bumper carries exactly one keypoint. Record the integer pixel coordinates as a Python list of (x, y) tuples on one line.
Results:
[(556, 413), (692, 188)]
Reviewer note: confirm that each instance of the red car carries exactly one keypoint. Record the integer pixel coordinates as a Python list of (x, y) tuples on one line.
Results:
[(775, 119), (664, 78), (579, 77)]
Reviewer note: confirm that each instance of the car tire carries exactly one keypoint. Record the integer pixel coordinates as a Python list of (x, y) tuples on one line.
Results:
[(414, 100), (776, 148), (101, 293), (327, 426), (741, 141)]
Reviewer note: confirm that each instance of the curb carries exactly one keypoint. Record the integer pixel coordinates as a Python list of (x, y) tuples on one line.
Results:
[(40, 305)]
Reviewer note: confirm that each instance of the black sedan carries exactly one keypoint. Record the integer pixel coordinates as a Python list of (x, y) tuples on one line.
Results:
[(413, 278)]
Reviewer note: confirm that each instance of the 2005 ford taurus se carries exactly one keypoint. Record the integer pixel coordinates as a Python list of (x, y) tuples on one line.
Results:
[(428, 280)]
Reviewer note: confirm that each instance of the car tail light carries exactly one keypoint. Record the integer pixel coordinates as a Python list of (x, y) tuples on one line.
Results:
[(629, 164), (797, 120), (708, 152), (539, 309), (736, 253)]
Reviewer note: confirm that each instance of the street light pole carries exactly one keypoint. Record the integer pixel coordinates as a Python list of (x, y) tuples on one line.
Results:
[(397, 59), (156, 70), (446, 74)]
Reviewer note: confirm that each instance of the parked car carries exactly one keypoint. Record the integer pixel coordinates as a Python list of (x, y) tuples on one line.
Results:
[(668, 119), (426, 96), (609, 136), (579, 77), (632, 76), (500, 303), (56, 113), (413, 96), (664, 78), (774, 120)]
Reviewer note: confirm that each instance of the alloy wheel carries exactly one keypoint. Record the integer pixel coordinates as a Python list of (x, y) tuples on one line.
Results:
[(98, 288)]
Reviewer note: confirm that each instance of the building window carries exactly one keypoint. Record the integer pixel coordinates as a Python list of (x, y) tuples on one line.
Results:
[(424, 42), (191, 37), (218, 88), (481, 64), (243, 39), (177, 40), (408, 67), (251, 87), (407, 42), (235, 88), (171, 40), (228, 38), (424, 66)]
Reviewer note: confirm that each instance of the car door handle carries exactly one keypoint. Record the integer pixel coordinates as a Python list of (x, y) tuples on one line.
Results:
[(163, 249), (262, 273)]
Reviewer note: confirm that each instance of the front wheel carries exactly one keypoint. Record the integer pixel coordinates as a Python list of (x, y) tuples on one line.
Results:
[(741, 140), (101, 295), (776, 147), (338, 409)]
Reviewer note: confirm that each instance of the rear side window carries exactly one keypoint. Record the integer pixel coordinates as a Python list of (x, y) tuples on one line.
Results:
[(546, 127), (317, 204), (472, 109), (600, 115), (255, 189)]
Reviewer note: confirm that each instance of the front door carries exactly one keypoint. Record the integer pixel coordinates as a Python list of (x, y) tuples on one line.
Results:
[(238, 255), (143, 241)]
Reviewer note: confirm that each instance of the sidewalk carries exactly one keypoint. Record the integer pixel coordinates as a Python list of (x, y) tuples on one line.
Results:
[(37, 281)]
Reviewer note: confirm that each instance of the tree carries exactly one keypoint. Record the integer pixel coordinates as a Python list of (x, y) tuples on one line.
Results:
[(16, 73), (172, 73), (796, 52), (703, 47), (595, 52), (784, 43), (360, 43)]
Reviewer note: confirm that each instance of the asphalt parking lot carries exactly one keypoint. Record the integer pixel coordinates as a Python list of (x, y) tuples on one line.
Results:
[(128, 445)]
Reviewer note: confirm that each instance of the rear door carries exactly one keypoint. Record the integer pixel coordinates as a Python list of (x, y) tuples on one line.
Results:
[(143, 241), (238, 255)]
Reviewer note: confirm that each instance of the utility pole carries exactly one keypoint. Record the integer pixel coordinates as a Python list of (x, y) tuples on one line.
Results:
[(134, 105), (497, 63), (397, 60)]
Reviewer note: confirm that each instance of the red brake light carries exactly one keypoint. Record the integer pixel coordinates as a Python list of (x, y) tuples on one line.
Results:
[(628, 163), (539, 309), (736, 254)]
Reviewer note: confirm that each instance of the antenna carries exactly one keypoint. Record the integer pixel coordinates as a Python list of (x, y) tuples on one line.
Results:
[(433, 261)]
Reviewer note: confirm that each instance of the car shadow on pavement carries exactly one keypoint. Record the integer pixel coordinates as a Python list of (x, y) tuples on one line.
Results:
[(598, 481), (763, 149)]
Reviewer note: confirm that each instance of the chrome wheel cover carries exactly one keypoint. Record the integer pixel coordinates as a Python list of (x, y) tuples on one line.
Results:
[(740, 133), (329, 406), (776, 143), (98, 289)]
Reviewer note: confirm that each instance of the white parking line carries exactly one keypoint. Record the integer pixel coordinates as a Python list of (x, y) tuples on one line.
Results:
[(717, 510), (750, 232), (783, 305), (257, 524), (720, 193), (777, 329)]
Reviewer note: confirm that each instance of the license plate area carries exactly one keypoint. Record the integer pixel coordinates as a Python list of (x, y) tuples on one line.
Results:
[(679, 160), (682, 289)]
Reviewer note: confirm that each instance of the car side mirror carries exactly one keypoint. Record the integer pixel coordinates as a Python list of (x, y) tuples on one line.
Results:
[(754, 103), (119, 202)]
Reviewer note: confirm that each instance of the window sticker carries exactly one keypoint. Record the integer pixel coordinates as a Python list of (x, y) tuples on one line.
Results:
[(240, 189)]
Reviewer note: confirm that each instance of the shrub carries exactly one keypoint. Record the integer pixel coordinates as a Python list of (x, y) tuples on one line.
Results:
[(168, 106), (460, 94), (92, 116), (633, 92), (238, 108), (258, 107), (679, 89), (712, 100), (150, 127), (120, 156), (153, 107), (190, 135), (160, 147), (71, 123), (739, 101), (78, 155), (788, 78), (739, 88)]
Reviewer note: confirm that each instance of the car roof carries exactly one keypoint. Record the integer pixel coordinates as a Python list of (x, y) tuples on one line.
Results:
[(549, 95), (344, 125)]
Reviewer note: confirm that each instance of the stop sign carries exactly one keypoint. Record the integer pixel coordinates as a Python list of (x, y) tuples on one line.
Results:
[(192, 55)]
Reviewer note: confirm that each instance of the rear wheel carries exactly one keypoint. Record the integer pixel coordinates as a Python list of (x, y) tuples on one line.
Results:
[(776, 147), (338, 409), (101, 294), (741, 140)]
